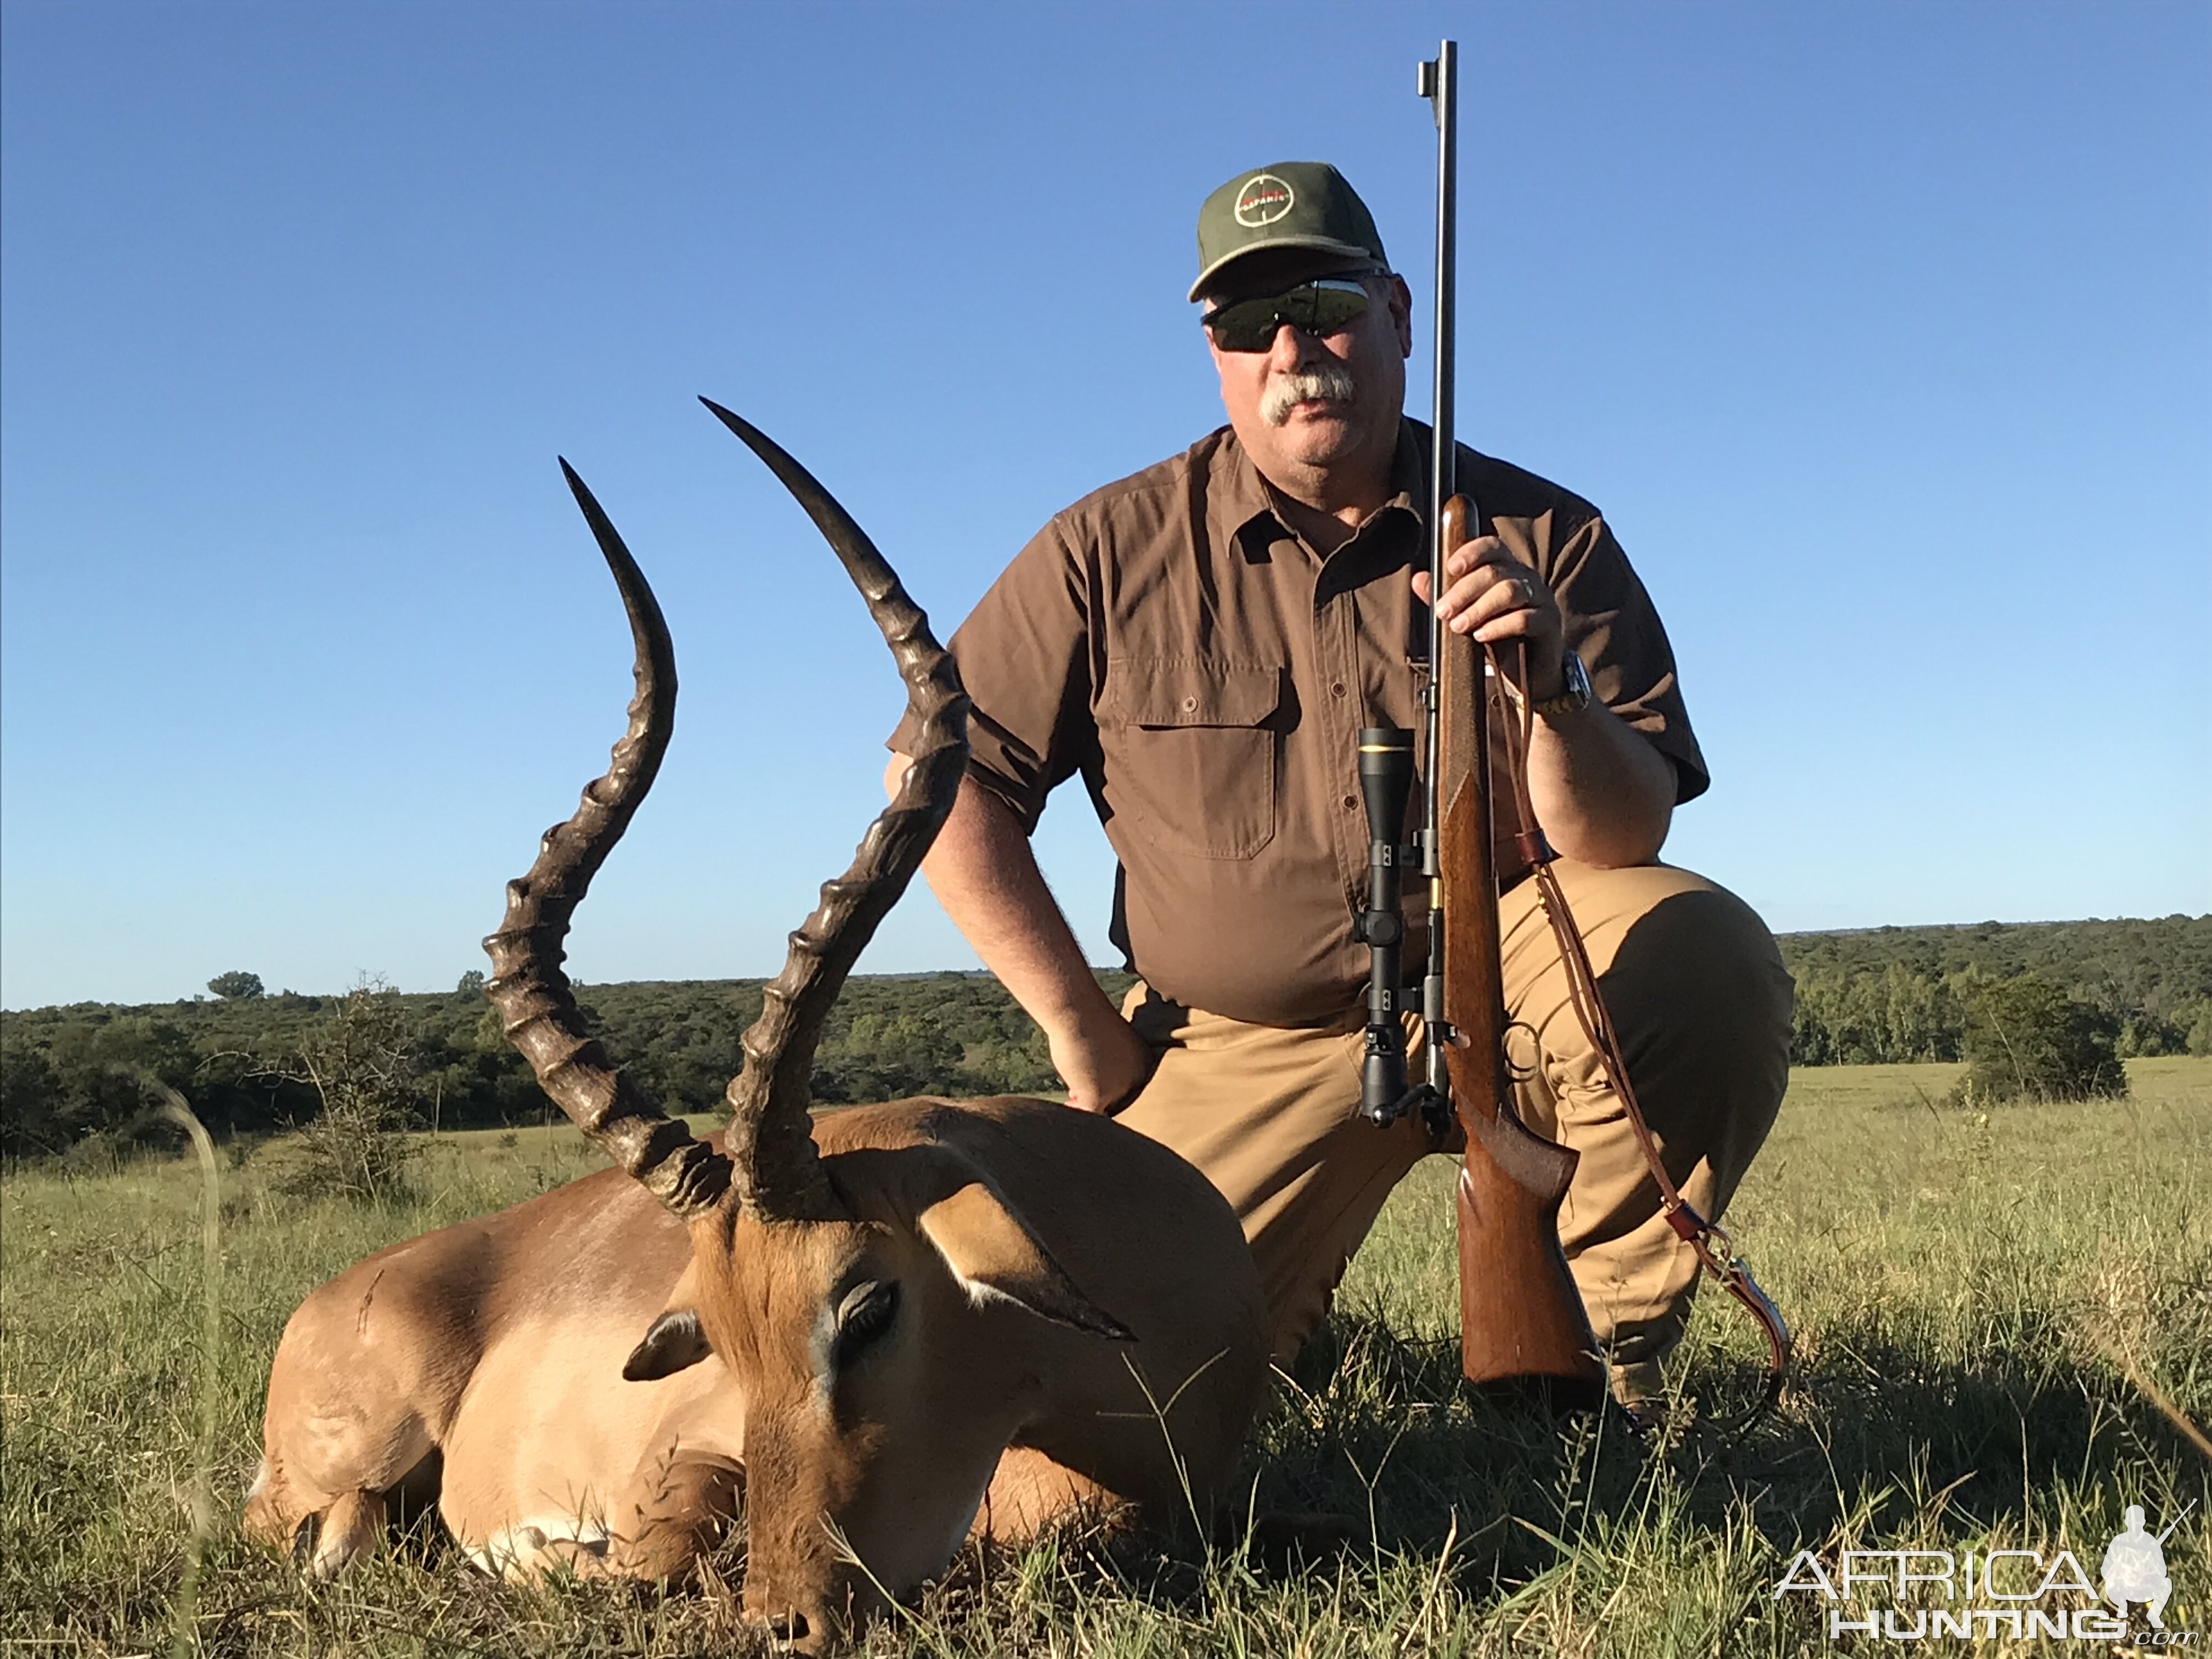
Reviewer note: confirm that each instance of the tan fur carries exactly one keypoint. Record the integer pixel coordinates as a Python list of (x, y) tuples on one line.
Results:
[(499, 1345)]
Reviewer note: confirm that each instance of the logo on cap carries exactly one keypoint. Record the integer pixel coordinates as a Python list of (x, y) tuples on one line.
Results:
[(1264, 199)]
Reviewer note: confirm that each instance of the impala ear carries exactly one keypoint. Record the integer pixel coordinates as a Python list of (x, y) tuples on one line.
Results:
[(994, 1255), (675, 1342)]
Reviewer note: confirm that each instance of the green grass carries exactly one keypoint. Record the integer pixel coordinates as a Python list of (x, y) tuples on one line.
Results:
[(1980, 1301)]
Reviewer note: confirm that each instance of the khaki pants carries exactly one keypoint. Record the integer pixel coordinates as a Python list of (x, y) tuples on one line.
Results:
[(1702, 1004)]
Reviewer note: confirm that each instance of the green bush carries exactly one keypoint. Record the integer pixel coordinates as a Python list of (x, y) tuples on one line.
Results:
[(2144, 1036), (2026, 1037), (2194, 1019), (86, 1078), (30, 1102), (364, 1064)]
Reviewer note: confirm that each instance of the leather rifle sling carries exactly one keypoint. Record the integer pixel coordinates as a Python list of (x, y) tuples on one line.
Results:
[(1715, 1251)]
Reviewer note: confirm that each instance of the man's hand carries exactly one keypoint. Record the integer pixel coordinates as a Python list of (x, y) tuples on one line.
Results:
[(1104, 1068), (1603, 794), (1497, 598), (984, 874)]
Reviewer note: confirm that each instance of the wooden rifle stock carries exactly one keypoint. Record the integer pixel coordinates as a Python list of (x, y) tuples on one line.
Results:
[(1522, 1325)]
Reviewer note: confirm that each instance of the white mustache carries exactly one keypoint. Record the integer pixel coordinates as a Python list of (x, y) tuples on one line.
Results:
[(1324, 380)]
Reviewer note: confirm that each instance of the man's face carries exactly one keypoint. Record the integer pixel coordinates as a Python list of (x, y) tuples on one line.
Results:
[(1309, 404)]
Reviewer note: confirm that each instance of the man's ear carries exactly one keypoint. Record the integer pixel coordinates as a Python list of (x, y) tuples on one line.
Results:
[(675, 1342), (1401, 314), (993, 1255)]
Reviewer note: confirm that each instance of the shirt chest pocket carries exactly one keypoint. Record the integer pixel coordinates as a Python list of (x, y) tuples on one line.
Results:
[(1192, 752)]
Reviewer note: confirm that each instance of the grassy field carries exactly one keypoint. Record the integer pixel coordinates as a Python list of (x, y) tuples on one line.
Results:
[(1985, 1305)]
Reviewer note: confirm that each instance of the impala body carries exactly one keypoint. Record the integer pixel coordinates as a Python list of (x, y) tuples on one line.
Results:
[(489, 1356), (879, 1335)]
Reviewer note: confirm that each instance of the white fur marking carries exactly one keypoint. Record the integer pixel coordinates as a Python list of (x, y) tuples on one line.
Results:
[(982, 1295), (528, 1545)]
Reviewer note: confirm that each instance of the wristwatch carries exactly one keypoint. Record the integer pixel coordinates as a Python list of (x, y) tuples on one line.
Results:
[(1574, 696)]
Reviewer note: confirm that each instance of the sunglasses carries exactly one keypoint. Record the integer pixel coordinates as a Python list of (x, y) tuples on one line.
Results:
[(1327, 305)]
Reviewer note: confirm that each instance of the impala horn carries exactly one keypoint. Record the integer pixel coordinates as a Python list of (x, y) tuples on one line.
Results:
[(537, 1005), (777, 1169)]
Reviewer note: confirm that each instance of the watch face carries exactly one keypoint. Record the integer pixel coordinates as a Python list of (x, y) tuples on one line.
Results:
[(1574, 689)]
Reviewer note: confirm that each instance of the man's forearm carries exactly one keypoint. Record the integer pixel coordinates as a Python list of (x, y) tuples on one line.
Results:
[(984, 874), (1604, 795)]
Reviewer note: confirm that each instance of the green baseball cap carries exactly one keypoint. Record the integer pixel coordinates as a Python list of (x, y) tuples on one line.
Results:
[(1292, 204)]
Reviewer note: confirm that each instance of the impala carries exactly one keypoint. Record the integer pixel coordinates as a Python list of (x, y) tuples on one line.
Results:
[(874, 1337)]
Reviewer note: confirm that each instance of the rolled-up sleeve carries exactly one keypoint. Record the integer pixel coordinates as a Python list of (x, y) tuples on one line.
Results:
[(1612, 624), (1026, 658)]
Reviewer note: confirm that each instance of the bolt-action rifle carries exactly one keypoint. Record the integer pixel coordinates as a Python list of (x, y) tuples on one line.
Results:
[(1523, 1323), (1522, 1319)]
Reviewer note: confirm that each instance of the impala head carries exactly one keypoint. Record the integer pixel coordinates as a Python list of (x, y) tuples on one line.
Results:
[(876, 1355), (852, 1296)]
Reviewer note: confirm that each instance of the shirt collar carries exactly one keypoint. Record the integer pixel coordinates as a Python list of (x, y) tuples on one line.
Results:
[(1242, 497)]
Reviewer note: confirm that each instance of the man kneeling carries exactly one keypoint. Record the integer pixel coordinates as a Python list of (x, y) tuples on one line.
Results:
[(1202, 642)]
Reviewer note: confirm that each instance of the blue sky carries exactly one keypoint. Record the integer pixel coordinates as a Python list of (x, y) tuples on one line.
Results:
[(1882, 333)]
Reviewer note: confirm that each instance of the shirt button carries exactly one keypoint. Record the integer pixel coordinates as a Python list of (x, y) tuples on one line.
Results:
[(1337, 691), (1190, 705), (1351, 801)]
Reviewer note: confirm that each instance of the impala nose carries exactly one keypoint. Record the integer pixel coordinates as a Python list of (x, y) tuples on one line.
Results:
[(796, 1631)]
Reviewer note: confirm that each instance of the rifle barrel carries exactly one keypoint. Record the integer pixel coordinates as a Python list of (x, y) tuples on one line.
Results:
[(1442, 82), (2177, 1521), (1439, 83)]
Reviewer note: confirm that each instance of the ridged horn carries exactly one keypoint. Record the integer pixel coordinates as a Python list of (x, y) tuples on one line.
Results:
[(776, 1165), (537, 1005)]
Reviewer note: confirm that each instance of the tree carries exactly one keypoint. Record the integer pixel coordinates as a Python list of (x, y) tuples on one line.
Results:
[(2025, 1036), (85, 1078), (472, 982), (2197, 1018), (236, 984), (886, 1057), (364, 1065), (2146, 1034), (30, 1102)]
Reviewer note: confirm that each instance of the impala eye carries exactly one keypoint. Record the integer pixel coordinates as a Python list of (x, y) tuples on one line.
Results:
[(865, 1314)]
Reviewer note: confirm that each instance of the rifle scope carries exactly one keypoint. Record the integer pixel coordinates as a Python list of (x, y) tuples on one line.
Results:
[(1386, 776)]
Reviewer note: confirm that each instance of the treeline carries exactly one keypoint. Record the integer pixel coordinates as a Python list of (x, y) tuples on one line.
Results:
[(1899, 994), (247, 1061), (2081, 995)]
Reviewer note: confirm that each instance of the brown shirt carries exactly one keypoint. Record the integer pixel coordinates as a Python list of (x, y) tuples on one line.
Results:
[(1207, 673)]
